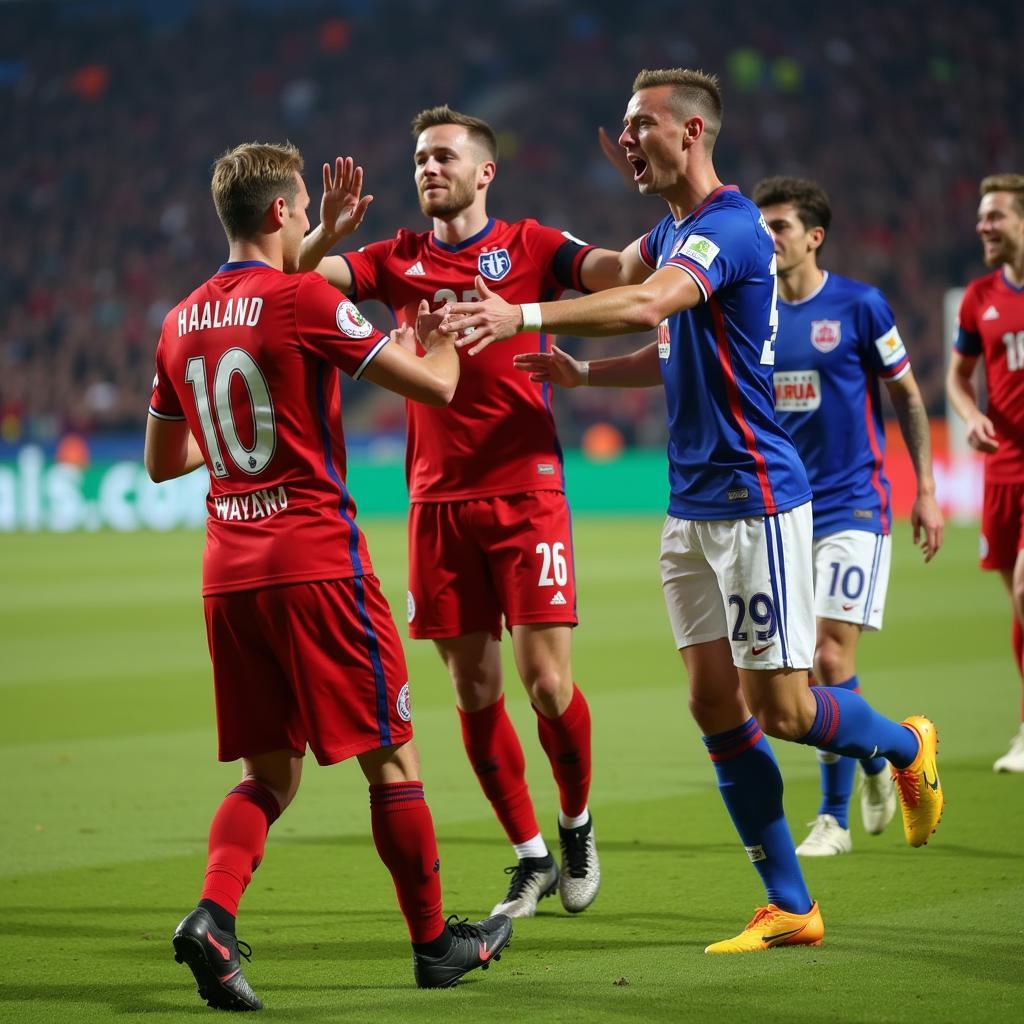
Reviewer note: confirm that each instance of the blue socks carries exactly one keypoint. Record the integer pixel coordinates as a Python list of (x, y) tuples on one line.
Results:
[(751, 786), (846, 724)]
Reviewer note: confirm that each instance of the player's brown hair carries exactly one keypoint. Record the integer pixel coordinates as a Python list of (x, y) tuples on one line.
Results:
[(810, 199), (693, 92), (1013, 183), (248, 178), (478, 130)]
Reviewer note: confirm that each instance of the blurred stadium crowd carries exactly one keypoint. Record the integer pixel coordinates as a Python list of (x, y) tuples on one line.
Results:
[(112, 112)]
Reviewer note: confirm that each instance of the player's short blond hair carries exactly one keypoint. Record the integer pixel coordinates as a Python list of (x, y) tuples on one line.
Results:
[(1013, 183), (480, 131), (248, 178), (693, 92)]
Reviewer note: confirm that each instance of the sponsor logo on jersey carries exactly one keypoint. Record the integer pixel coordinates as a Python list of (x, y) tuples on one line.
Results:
[(737, 494), (664, 340), (416, 270), (402, 705), (755, 853), (890, 347), (797, 390), (699, 249), (825, 334), (351, 321), (559, 598), (495, 264), (546, 468), (863, 513), (410, 606), (990, 314)]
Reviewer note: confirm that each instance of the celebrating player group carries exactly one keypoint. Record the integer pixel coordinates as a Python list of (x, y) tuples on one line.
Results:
[(774, 554)]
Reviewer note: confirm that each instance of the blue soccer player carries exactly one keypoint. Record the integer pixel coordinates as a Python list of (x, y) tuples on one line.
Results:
[(736, 546), (837, 339)]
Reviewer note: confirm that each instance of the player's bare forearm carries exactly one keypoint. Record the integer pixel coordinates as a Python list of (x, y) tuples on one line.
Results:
[(960, 386), (925, 516), (639, 369), (171, 450), (315, 246), (915, 428), (625, 310)]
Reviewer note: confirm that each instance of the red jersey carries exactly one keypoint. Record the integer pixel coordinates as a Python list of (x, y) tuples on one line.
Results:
[(498, 435), (992, 326), (250, 359)]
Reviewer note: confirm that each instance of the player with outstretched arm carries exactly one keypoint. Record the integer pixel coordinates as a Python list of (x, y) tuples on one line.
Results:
[(303, 646), (736, 546)]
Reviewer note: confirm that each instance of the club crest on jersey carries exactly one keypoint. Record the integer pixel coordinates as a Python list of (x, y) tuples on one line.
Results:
[(495, 264), (825, 334), (402, 705), (352, 322)]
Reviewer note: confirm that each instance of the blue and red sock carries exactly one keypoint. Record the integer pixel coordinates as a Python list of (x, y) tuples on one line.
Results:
[(751, 786), (846, 724)]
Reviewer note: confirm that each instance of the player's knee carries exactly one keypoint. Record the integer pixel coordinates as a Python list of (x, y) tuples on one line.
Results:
[(549, 691), (830, 663)]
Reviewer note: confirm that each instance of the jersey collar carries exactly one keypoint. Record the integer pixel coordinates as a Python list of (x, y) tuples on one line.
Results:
[(243, 265), (1009, 284), (466, 242), (817, 291), (706, 202)]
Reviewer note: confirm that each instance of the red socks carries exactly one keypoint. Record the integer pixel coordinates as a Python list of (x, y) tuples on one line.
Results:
[(497, 758), (566, 741), (403, 833), (238, 835)]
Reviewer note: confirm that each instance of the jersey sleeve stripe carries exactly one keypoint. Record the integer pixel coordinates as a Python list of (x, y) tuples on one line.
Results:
[(736, 407), (898, 370), (163, 415), (370, 356), (644, 247), (699, 279), (967, 343)]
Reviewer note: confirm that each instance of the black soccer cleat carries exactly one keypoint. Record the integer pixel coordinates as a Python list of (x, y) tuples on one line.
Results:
[(212, 956), (473, 945)]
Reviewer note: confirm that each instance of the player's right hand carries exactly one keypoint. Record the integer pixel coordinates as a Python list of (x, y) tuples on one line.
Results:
[(428, 326), (554, 367), (343, 206), (981, 434)]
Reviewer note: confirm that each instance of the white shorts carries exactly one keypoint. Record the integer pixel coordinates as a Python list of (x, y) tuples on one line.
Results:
[(746, 579), (851, 577)]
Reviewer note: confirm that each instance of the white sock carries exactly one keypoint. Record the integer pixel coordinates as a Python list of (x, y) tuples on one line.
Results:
[(535, 847), (568, 822)]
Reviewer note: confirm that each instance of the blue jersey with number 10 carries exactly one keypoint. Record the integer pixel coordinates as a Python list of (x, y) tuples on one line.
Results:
[(833, 348), (728, 456)]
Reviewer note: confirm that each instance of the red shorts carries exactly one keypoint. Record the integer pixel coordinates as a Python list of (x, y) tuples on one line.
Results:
[(318, 663), (472, 561), (1002, 525)]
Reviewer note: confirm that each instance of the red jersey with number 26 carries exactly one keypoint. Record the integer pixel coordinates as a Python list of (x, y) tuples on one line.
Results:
[(498, 435), (250, 359), (992, 326)]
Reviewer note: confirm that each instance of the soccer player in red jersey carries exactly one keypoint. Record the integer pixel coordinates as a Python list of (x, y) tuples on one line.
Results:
[(303, 645), (489, 527), (992, 330)]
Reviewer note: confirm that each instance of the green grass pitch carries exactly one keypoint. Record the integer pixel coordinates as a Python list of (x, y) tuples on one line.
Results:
[(108, 781)]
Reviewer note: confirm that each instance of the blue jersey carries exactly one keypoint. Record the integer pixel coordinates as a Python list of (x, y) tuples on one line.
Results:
[(831, 350), (728, 457)]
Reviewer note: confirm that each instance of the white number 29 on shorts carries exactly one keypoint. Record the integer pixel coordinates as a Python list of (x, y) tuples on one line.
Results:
[(553, 569)]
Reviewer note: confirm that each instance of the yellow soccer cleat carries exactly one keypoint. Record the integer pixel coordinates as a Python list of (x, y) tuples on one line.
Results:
[(918, 785), (770, 927)]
